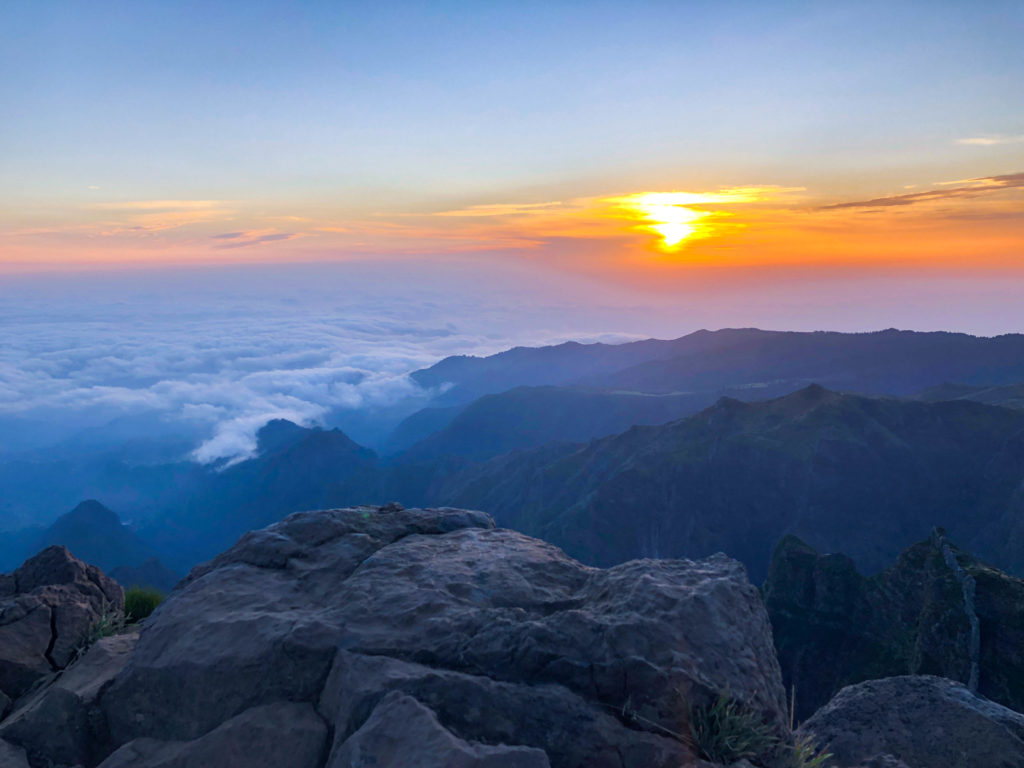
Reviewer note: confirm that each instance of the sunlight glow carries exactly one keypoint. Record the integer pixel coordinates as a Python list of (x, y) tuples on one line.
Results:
[(673, 215)]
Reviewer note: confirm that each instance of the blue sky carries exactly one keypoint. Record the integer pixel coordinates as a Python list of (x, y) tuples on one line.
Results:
[(422, 106)]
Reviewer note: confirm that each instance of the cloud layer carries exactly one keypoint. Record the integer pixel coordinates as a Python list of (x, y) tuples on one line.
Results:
[(222, 352)]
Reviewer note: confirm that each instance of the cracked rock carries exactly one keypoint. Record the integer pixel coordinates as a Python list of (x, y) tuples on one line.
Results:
[(46, 608)]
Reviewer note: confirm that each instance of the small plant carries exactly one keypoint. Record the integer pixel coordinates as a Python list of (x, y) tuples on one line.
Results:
[(140, 602), (110, 623), (807, 754), (726, 731)]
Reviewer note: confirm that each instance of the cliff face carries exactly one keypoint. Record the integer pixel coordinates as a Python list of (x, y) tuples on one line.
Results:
[(345, 637), (936, 611)]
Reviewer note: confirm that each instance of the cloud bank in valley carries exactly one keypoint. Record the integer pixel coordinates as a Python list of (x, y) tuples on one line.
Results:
[(218, 353)]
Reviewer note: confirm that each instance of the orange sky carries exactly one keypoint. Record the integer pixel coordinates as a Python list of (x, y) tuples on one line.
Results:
[(643, 235)]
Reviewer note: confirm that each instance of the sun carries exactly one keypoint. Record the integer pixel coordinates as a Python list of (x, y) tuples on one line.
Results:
[(672, 215)]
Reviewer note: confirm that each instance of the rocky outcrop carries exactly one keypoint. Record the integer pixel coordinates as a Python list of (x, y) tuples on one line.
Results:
[(46, 608), (919, 722), (936, 611), (399, 630), (61, 723)]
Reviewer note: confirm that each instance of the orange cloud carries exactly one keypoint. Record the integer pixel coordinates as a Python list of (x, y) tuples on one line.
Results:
[(968, 188)]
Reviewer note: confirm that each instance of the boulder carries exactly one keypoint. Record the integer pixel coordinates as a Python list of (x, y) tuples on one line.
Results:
[(46, 609), (503, 639), (918, 721), (402, 732), (270, 736), (62, 722)]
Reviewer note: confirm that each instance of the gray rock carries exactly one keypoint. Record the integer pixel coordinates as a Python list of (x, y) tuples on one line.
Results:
[(402, 732), (260, 623), (12, 756), (270, 736), (571, 730), (883, 761), (442, 607), (61, 722), (923, 721), (46, 609)]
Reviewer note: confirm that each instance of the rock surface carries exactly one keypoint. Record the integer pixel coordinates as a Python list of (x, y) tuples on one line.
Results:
[(401, 732), (507, 644), (61, 722), (12, 756), (923, 721), (46, 608), (270, 736), (834, 627)]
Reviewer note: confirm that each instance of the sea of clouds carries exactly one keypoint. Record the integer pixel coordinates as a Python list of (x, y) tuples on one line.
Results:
[(203, 357), (216, 353)]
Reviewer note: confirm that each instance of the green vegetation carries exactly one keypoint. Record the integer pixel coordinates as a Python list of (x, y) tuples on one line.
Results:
[(140, 602), (807, 754), (112, 622), (726, 731)]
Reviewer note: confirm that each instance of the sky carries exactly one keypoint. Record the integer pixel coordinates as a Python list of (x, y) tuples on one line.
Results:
[(570, 135), (220, 213)]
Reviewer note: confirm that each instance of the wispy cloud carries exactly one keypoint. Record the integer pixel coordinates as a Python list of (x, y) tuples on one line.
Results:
[(968, 188), (156, 205), (991, 141), (158, 215), (244, 240), (504, 209)]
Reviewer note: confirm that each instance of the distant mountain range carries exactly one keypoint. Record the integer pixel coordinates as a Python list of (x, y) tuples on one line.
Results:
[(745, 363), (714, 441), (883, 362), (95, 534)]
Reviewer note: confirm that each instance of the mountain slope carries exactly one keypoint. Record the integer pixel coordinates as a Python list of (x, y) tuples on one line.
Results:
[(886, 362), (1009, 396), (864, 476), (295, 469), (528, 417)]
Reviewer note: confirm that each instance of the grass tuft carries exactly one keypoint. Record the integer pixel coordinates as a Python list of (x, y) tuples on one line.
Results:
[(726, 731), (140, 602), (807, 754)]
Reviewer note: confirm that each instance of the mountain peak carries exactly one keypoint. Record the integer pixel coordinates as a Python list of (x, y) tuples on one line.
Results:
[(814, 392), (91, 512), (277, 434)]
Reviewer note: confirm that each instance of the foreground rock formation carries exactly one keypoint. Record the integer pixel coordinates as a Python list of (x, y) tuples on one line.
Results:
[(46, 609), (936, 611), (390, 637), (918, 722), (379, 637)]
